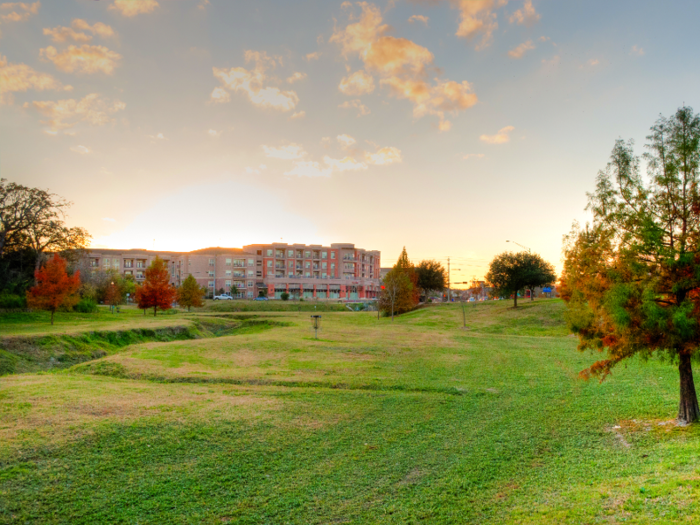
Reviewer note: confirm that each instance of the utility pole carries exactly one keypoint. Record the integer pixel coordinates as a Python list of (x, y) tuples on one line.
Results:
[(449, 293)]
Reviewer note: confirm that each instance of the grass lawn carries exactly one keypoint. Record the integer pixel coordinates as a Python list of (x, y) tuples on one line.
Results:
[(415, 421)]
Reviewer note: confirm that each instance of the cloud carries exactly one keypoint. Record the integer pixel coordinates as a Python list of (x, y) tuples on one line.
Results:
[(219, 95), (313, 56), (133, 7), (477, 17), (520, 50), (527, 15), (402, 65), (68, 113), (384, 156), (345, 140), (501, 137), (75, 33), (84, 59), (344, 164), (592, 62), (159, 136), (444, 125), (252, 83), (18, 11), (359, 83), (295, 77), (80, 149), (298, 114), (256, 171), (357, 104), (109, 219), (214, 134), (21, 78), (308, 168), (289, 152), (419, 18), (638, 51), (474, 156), (203, 4)]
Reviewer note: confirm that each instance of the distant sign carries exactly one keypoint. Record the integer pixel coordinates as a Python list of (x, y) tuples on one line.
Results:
[(547, 289)]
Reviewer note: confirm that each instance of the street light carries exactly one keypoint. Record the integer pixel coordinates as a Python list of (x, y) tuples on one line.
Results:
[(528, 249)]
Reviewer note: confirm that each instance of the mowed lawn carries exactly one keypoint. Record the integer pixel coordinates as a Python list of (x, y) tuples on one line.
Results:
[(415, 421)]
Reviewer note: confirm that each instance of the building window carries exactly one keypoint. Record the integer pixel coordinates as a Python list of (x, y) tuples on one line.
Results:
[(251, 273), (324, 265), (228, 273), (250, 284), (325, 275), (128, 272), (250, 295), (239, 263), (239, 284), (129, 263), (259, 274), (139, 275), (211, 274), (115, 263), (332, 266), (211, 284), (324, 255), (307, 254), (290, 253), (228, 284), (106, 263), (212, 262), (228, 262), (269, 253), (251, 262), (291, 264), (269, 264)]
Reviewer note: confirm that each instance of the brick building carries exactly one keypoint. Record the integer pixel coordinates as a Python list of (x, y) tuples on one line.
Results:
[(338, 271)]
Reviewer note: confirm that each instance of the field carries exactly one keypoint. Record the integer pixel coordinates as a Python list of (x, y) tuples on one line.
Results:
[(226, 416)]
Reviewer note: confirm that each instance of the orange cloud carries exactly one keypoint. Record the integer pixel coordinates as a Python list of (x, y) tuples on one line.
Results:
[(84, 59), (313, 56), (345, 140), (501, 137), (359, 83), (402, 66), (384, 156), (289, 152), (527, 15), (63, 34), (68, 113), (477, 17), (252, 83), (520, 50), (21, 77), (295, 77), (419, 18), (18, 11), (357, 104), (134, 7), (98, 28), (344, 164), (298, 114)]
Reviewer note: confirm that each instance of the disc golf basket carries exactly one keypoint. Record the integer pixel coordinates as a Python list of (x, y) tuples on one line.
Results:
[(316, 324)]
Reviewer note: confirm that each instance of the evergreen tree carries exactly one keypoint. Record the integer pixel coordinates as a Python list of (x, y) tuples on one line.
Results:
[(190, 294)]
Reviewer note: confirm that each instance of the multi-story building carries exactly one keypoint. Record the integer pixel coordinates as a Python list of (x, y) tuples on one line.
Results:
[(338, 271)]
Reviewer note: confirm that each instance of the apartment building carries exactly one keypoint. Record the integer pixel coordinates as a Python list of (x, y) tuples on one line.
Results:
[(338, 271)]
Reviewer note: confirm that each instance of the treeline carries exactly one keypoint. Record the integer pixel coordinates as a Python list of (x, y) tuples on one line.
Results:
[(32, 224)]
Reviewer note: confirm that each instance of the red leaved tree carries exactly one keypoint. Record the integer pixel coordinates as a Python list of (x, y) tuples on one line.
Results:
[(156, 292), (54, 287)]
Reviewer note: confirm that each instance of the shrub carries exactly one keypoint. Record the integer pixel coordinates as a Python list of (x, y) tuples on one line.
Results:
[(284, 296), (12, 301), (86, 306)]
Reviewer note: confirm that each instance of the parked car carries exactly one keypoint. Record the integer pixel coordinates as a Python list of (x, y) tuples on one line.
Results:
[(261, 298), (223, 297)]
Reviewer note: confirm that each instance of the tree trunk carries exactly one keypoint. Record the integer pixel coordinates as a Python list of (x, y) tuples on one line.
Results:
[(532, 294), (515, 300), (144, 312), (154, 310), (688, 410), (52, 325)]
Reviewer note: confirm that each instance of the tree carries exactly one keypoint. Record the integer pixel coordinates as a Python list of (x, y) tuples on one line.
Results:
[(475, 288), (397, 291), (156, 291), (54, 287), (511, 272), (113, 295), (432, 277), (190, 294), (405, 266), (284, 296), (631, 278)]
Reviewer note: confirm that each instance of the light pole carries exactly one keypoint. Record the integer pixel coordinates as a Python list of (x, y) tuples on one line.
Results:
[(528, 249)]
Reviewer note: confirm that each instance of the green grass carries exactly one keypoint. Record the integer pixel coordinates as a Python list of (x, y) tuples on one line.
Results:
[(415, 421)]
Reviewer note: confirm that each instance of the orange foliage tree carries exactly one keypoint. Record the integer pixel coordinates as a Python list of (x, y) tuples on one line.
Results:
[(54, 287), (156, 292)]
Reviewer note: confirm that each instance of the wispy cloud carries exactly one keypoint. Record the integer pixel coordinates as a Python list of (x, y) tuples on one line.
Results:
[(288, 152), (134, 7), (91, 109), (313, 56), (84, 59), (356, 104), (473, 156), (82, 150), (359, 83), (78, 32), (520, 50), (527, 15), (21, 77), (637, 51), (345, 140), (298, 115), (501, 137), (256, 171), (252, 83), (418, 18), (18, 11), (296, 77), (214, 133)]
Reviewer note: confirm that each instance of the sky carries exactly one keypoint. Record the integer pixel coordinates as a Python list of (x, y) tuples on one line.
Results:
[(447, 127)]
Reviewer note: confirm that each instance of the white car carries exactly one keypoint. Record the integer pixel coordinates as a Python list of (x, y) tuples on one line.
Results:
[(224, 297)]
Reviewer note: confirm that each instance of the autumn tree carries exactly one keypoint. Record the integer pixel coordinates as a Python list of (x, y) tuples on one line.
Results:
[(631, 278), (397, 292), (156, 291), (475, 288), (510, 273), (190, 294), (432, 277), (113, 295), (54, 287)]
